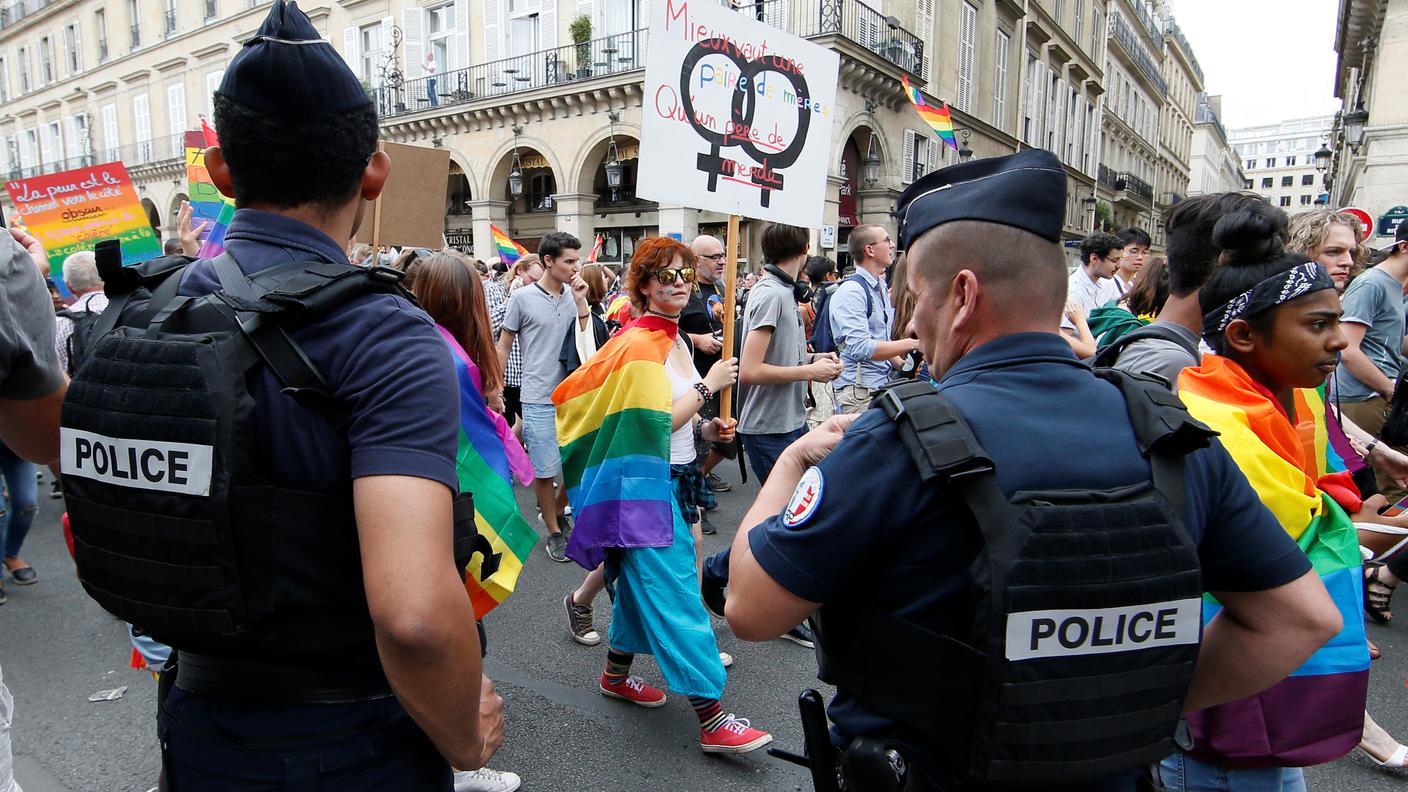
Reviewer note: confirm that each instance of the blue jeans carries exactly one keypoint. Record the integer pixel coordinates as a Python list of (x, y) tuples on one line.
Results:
[(24, 497), (430, 92), (763, 451), (1183, 773)]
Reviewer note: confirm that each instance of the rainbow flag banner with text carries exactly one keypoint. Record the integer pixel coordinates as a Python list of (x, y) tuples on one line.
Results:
[(76, 209)]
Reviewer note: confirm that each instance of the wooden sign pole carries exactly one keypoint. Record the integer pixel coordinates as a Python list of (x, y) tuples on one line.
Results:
[(730, 298)]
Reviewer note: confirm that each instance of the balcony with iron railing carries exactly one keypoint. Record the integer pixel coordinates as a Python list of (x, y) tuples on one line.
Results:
[(170, 17), (1137, 186), (103, 50), (1176, 33), (563, 66), (136, 36), (14, 12), (1137, 53), (1146, 18)]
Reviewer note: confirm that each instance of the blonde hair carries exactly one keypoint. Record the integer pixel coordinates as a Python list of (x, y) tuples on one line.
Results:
[(524, 262), (1309, 229)]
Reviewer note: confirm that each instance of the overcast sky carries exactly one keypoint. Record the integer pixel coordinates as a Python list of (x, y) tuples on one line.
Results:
[(1271, 60)]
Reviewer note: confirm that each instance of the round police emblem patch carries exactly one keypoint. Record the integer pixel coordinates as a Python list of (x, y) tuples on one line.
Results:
[(805, 499)]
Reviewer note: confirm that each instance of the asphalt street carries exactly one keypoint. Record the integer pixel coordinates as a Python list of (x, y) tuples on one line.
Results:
[(58, 648)]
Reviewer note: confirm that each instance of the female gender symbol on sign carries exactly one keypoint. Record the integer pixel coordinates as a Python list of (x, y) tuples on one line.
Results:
[(744, 108)]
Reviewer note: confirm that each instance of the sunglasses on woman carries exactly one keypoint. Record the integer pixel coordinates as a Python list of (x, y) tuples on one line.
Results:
[(667, 277)]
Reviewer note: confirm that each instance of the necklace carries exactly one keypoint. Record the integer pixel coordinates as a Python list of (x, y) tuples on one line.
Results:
[(662, 315)]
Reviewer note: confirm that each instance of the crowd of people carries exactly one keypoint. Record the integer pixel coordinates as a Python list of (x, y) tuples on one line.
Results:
[(308, 419)]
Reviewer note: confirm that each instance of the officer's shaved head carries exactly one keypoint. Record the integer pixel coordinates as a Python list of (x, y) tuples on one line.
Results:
[(975, 281), (708, 252)]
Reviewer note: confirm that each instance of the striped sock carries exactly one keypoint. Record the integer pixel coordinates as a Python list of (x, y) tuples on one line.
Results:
[(709, 712), (618, 666)]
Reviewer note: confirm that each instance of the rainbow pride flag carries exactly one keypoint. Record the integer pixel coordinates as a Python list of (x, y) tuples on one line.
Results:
[(485, 464), (613, 424), (1316, 714), (509, 251), (937, 118), (208, 204)]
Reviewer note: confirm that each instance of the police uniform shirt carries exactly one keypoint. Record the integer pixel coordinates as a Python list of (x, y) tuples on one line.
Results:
[(912, 557)]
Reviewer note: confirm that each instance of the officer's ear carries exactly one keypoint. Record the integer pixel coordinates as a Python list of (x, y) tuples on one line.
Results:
[(1240, 337), (219, 171), (374, 176), (963, 293)]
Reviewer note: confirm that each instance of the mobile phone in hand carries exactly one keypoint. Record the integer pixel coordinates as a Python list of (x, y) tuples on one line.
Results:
[(1396, 509)]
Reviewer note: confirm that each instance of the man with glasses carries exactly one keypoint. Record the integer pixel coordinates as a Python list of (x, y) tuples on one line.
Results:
[(702, 321), (862, 318)]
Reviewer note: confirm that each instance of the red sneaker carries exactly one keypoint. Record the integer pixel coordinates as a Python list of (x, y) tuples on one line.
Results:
[(733, 736), (634, 690)]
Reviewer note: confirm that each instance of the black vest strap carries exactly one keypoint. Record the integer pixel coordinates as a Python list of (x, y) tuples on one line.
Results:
[(938, 439)]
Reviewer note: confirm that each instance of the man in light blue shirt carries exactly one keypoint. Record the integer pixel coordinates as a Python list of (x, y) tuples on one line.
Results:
[(862, 320)]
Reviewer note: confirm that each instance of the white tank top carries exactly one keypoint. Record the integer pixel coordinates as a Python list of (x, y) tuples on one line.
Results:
[(682, 450)]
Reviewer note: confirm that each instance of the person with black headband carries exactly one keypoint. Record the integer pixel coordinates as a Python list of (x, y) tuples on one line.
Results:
[(982, 624), (1273, 320)]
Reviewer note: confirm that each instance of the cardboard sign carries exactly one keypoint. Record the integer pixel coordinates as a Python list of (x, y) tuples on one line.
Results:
[(73, 210), (209, 207), (737, 115), (411, 209)]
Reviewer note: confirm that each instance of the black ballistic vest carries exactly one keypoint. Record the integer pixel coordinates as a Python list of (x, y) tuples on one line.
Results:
[(1084, 612), (177, 526)]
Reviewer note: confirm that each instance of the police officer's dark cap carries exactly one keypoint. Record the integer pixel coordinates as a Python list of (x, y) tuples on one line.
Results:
[(288, 70), (1026, 190)]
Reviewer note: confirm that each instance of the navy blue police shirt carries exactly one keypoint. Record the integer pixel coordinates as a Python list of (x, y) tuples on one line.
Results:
[(381, 356), (1049, 424)]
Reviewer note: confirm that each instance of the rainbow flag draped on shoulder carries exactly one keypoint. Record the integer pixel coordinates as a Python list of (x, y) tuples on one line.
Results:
[(487, 459), (1316, 714), (613, 424)]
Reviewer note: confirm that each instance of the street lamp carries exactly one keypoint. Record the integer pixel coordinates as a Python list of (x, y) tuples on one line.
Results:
[(1322, 157), (964, 153), (613, 159), (515, 176), (872, 161), (1354, 127)]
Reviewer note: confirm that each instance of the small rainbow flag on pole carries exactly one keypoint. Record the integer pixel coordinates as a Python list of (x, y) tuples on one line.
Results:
[(509, 251), (937, 118)]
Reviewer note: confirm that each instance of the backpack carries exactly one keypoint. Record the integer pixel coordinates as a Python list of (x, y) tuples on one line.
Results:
[(177, 527), (823, 340), (77, 343), (1072, 666)]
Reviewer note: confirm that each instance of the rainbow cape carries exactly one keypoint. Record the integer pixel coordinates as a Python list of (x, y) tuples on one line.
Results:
[(485, 463), (508, 250), (1316, 714), (613, 424), (937, 118)]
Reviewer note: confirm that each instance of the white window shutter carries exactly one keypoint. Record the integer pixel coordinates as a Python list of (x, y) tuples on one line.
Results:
[(585, 7), (413, 36), (212, 84), (911, 139), (78, 45), (936, 154), (176, 108), (351, 46), (645, 12), (461, 37), (547, 25), (492, 36), (999, 87)]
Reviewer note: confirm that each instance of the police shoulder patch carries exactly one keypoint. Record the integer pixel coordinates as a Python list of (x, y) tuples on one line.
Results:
[(805, 499)]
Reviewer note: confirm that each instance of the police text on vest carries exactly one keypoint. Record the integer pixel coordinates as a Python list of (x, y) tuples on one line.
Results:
[(142, 464), (1065, 633)]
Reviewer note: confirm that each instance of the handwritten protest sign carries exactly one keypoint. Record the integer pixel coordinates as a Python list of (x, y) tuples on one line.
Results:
[(73, 210), (737, 115)]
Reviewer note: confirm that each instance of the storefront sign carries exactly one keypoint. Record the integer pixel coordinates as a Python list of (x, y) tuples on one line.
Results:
[(737, 115), (1388, 221), (850, 172)]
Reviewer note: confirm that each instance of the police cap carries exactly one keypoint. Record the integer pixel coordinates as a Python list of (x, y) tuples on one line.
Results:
[(288, 70), (1026, 190)]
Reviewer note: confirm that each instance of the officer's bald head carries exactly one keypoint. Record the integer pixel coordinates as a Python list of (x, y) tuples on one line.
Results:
[(975, 281), (708, 252)]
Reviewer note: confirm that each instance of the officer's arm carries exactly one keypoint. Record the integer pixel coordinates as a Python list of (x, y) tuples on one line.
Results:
[(30, 427), (1259, 638), (759, 608), (425, 631)]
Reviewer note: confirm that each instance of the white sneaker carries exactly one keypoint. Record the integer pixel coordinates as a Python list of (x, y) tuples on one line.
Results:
[(486, 780)]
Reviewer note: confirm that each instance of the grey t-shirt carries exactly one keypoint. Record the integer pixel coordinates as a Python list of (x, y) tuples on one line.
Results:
[(540, 320), (29, 366), (1157, 356), (1374, 299), (774, 409)]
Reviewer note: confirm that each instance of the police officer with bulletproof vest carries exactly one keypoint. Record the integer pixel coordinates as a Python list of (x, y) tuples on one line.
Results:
[(1025, 610), (259, 460)]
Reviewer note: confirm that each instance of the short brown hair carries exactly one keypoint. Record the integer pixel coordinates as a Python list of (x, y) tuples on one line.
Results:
[(782, 242), (651, 256)]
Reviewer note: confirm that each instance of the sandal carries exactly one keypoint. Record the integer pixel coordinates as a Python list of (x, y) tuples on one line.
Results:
[(1376, 596)]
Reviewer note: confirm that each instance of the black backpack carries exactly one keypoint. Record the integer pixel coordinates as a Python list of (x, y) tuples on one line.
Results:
[(1085, 612), (77, 344)]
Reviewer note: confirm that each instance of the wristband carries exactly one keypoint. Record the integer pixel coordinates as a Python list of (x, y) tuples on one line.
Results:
[(583, 316), (703, 391), (1369, 449)]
